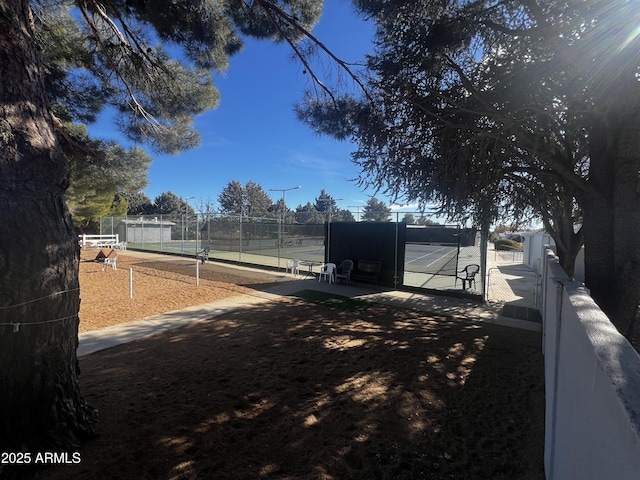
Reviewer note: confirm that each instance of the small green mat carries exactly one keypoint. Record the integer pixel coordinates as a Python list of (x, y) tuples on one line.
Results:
[(331, 300)]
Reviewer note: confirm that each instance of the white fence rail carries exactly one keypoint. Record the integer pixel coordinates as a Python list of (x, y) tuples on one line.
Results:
[(592, 377), (99, 240)]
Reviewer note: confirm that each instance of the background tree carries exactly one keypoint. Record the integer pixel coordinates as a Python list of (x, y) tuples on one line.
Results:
[(206, 209), (107, 53), (89, 202), (376, 211), (323, 209), (506, 109), (409, 219), (308, 214), (138, 203), (257, 201), (280, 210), (168, 203), (231, 199), (343, 215), (99, 182), (325, 202), (326, 205), (250, 200)]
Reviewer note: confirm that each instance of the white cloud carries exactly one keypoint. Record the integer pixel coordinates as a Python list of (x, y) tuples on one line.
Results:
[(411, 206)]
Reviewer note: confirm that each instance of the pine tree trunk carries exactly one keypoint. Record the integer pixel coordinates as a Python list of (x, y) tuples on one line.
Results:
[(567, 258), (40, 402), (612, 210), (561, 228)]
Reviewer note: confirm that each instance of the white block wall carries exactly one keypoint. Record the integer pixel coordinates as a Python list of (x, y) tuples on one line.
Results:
[(592, 377)]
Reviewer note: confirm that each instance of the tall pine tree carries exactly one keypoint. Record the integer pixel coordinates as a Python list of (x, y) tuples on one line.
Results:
[(105, 54)]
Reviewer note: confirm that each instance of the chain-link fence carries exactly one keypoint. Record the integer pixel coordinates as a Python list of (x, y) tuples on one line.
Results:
[(435, 257), (253, 240), (513, 283)]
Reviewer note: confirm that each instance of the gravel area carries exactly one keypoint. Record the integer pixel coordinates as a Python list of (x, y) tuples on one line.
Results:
[(160, 285)]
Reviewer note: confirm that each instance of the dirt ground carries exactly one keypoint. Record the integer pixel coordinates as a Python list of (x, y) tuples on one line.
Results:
[(158, 286), (291, 389)]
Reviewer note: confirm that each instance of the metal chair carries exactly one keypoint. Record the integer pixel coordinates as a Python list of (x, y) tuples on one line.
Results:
[(203, 256), (470, 272)]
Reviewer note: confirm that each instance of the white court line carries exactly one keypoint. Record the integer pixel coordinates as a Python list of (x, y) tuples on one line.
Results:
[(430, 253)]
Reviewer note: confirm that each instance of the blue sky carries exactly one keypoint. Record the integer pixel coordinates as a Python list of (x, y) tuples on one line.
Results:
[(254, 134)]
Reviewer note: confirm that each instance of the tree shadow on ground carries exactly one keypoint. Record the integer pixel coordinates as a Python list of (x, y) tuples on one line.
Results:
[(294, 390), (517, 283)]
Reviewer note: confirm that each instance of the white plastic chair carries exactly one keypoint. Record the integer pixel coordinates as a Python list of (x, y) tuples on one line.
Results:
[(293, 266), (110, 261), (328, 271)]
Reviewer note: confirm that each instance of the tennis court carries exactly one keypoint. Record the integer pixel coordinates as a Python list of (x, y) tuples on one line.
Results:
[(435, 259), (434, 267), (411, 255)]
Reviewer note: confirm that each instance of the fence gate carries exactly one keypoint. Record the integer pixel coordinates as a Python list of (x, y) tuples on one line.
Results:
[(514, 285)]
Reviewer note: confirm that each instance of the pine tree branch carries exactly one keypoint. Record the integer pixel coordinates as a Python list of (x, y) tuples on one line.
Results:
[(269, 7)]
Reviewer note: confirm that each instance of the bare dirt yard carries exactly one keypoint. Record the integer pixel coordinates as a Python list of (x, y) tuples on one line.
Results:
[(296, 389), (160, 284)]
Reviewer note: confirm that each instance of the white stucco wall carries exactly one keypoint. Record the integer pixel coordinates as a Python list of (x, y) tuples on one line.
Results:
[(592, 377)]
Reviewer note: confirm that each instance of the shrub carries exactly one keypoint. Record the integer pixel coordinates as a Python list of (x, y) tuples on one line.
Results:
[(507, 245)]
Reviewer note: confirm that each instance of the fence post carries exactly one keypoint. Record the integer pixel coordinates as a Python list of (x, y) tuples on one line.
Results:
[(484, 245), (240, 244), (197, 272), (395, 266)]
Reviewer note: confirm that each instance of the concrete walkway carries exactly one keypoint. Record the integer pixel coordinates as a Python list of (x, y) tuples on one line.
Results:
[(283, 285)]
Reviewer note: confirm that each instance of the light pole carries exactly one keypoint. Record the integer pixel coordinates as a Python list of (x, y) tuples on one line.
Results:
[(283, 190)]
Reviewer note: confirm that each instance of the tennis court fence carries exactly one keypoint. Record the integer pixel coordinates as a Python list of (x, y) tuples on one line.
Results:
[(416, 256)]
